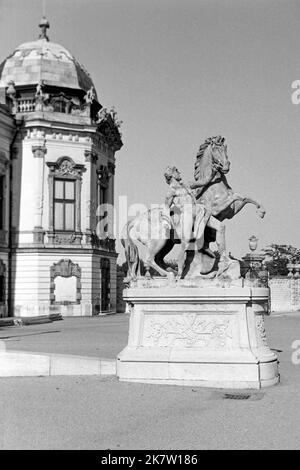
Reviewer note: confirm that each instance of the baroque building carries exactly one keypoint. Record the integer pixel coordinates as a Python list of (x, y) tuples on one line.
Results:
[(57, 166)]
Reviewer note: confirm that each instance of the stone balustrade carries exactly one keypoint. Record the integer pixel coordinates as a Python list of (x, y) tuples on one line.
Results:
[(293, 271), (285, 293), (26, 105)]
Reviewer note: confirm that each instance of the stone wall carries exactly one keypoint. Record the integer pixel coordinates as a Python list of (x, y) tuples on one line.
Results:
[(285, 294)]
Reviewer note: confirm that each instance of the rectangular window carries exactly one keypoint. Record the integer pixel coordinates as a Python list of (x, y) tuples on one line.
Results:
[(102, 195), (2, 288), (102, 212), (64, 204), (2, 202)]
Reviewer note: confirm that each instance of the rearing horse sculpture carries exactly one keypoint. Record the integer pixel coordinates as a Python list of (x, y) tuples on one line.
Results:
[(211, 186), (218, 202)]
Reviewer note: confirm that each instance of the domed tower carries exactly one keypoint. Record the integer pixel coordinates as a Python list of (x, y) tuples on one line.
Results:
[(62, 255)]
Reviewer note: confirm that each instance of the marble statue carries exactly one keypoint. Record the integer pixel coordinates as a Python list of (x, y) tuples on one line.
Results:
[(41, 98), (202, 325), (192, 217), (90, 95)]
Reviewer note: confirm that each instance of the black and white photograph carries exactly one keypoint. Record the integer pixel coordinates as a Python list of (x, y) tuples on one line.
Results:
[(149, 228)]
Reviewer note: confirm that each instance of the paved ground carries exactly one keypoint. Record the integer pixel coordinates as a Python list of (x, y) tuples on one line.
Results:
[(103, 336), (102, 413)]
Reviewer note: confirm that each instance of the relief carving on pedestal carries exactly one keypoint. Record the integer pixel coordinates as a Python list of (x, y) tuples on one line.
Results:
[(189, 331), (260, 326)]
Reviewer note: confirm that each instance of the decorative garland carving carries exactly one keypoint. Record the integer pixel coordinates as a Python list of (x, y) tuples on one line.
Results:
[(260, 325), (190, 331), (65, 166), (65, 238)]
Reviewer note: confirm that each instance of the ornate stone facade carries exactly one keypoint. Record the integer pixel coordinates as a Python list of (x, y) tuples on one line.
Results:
[(62, 157)]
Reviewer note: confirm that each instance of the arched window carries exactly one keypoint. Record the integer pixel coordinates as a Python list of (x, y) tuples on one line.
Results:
[(59, 105)]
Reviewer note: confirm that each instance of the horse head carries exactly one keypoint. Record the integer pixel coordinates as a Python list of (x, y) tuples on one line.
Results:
[(219, 155), (212, 155)]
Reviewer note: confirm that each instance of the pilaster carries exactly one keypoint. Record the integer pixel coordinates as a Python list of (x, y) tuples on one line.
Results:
[(39, 153)]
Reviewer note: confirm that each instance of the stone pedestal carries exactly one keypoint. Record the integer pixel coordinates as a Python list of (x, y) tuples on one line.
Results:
[(199, 336)]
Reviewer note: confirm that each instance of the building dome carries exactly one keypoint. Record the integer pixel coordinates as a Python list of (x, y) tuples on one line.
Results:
[(44, 61)]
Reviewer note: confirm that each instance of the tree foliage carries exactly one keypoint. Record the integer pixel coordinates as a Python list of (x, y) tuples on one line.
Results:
[(278, 256)]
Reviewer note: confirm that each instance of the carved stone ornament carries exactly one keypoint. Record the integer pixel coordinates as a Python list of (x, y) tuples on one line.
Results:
[(38, 151), (65, 166), (64, 238), (90, 95), (102, 115), (107, 244), (11, 91), (189, 330), (41, 98), (11, 94), (90, 156), (109, 128), (103, 175), (115, 119), (260, 325), (65, 268), (111, 168)]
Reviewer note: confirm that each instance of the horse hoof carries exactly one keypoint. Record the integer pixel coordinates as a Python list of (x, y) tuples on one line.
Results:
[(261, 213)]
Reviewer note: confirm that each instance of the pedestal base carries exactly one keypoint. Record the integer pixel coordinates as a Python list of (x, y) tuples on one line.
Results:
[(208, 337)]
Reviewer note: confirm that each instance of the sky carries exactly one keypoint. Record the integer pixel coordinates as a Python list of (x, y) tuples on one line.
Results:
[(178, 72)]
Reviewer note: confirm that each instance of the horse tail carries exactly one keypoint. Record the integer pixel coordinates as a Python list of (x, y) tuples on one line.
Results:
[(131, 253)]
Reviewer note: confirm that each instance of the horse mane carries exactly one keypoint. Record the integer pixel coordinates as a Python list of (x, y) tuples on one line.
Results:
[(203, 166)]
